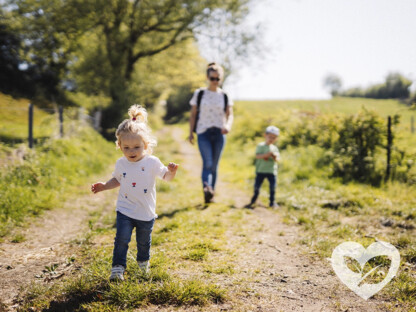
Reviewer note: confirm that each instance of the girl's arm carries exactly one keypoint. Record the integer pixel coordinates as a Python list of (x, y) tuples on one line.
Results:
[(172, 167), (100, 186)]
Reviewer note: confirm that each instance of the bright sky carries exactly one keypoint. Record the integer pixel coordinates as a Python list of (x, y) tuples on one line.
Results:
[(359, 40)]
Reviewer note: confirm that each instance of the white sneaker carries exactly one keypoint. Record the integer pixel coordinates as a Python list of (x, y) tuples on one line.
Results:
[(117, 273), (144, 266)]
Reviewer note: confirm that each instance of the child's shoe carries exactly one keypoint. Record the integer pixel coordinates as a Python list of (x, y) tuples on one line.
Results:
[(117, 272), (274, 206), (144, 266)]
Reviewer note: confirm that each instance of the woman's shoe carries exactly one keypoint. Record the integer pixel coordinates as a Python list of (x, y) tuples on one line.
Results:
[(249, 206), (208, 194)]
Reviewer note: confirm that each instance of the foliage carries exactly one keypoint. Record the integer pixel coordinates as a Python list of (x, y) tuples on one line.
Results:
[(354, 144), (396, 86), (333, 83), (46, 174), (361, 138)]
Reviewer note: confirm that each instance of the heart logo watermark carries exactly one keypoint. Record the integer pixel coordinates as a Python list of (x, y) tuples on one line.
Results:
[(357, 252)]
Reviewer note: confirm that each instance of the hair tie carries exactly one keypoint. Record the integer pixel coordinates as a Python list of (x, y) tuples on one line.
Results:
[(134, 118)]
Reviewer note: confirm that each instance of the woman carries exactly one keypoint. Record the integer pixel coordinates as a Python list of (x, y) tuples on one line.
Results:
[(211, 119)]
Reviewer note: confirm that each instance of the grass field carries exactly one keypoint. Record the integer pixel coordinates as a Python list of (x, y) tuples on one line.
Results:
[(329, 211), (14, 121), (190, 255), (34, 180)]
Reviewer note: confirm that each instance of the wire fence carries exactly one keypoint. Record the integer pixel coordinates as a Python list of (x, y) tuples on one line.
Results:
[(32, 125)]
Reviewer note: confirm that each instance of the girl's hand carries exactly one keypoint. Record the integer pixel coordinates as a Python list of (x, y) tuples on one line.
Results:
[(224, 130), (172, 167), (98, 187), (191, 138)]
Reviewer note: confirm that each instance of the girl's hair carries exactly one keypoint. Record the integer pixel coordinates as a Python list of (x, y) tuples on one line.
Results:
[(214, 67), (137, 124)]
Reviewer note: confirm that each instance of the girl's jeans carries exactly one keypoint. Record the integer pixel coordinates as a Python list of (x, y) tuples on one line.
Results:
[(259, 181), (210, 143), (125, 227)]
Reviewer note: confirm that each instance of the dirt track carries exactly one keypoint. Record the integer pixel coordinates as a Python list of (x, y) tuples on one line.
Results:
[(280, 275)]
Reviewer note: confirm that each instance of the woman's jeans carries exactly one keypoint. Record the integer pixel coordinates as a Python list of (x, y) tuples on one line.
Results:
[(125, 227), (259, 181), (210, 143)]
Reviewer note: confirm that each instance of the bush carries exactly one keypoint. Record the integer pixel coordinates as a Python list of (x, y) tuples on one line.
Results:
[(361, 137), (46, 174)]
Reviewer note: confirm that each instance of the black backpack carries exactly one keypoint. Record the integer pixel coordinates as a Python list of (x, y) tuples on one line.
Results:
[(198, 104)]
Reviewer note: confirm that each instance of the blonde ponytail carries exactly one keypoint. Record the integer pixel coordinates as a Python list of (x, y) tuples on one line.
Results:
[(138, 113), (137, 124)]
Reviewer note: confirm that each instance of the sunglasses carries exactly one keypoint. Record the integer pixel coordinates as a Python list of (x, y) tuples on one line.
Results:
[(214, 78)]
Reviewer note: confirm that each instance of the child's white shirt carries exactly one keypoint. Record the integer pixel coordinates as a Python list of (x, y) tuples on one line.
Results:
[(137, 193)]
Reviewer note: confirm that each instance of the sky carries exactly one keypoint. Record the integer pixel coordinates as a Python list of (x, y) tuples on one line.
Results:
[(361, 41)]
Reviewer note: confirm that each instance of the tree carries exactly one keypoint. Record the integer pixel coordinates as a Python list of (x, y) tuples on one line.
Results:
[(333, 84), (396, 86), (130, 30)]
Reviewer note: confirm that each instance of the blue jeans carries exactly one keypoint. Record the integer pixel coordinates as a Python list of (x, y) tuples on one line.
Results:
[(210, 143), (259, 181), (125, 227)]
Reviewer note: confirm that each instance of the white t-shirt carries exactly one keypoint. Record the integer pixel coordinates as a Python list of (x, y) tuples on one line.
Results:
[(137, 194), (211, 110)]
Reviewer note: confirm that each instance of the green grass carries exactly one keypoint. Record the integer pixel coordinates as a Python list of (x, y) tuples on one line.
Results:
[(45, 176), (329, 211), (14, 121), (188, 255)]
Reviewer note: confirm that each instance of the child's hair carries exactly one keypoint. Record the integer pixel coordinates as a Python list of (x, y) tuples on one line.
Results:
[(137, 124), (214, 67)]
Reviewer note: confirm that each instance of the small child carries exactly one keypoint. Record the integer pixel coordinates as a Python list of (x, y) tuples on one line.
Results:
[(136, 174), (267, 157)]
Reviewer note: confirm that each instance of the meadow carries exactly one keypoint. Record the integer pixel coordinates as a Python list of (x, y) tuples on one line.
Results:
[(191, 256), (39, 179)]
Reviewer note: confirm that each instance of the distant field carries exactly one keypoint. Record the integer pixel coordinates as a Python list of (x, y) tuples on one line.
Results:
[(403, 136)]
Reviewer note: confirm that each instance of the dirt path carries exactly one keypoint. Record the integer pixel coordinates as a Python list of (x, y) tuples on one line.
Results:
[(275, 274), (51, 241)]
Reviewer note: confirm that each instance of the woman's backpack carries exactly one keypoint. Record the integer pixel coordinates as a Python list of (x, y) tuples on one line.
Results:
[(198, 104)]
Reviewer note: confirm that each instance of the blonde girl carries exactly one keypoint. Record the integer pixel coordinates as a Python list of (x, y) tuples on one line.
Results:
[(136, 174)]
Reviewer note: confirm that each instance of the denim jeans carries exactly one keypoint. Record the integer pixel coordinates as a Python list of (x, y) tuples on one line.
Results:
[(125, 227), (259, 181), (210, 143)]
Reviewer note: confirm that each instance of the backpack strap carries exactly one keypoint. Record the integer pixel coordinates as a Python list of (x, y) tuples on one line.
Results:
[(198, 104), (225, 101)]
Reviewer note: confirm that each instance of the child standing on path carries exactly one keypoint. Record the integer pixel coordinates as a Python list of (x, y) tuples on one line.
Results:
[(267, 157), (136, 174)]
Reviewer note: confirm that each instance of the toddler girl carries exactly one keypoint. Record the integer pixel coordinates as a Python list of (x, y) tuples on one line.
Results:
[(135, 173)]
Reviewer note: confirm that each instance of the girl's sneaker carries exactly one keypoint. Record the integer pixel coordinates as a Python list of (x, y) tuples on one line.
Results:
[(117, 272), (144, 266)]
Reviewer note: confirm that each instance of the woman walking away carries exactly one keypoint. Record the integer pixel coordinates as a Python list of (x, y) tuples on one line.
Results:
[(211, 119)]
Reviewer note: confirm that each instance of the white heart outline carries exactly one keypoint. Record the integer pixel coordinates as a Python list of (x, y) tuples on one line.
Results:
[(362, 255)]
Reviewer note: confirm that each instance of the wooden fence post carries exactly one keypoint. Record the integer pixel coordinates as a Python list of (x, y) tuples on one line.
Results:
[(30, 139), (61, 121), (412, 124), (389, 143)]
